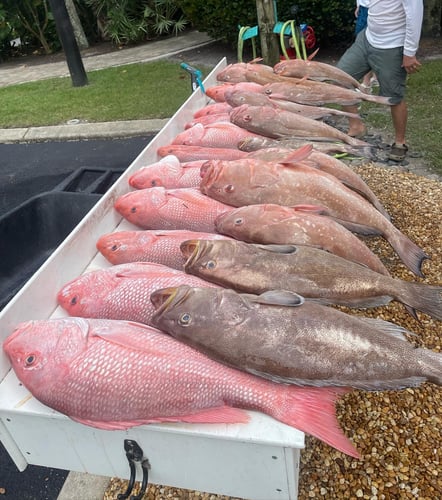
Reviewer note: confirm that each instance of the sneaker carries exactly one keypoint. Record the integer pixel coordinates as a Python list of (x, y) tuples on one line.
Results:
[(398, 152)]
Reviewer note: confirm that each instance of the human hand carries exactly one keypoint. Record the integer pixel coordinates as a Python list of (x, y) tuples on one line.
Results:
[(410, 64)]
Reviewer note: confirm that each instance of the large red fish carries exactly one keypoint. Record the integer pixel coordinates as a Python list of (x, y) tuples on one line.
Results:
[(213, 109), (169, 173), (117, 374), (236, 72), (271, 223), (122, 291), (160, 208), (248, 182), (219, 92), (329, 164), (162, 247), (276, 122), (192, 153), (254, 98), (318, 93), (315, 70), (214, 135)]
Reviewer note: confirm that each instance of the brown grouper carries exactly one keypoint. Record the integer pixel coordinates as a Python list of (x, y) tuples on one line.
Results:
[(311, 272), (282, 337)]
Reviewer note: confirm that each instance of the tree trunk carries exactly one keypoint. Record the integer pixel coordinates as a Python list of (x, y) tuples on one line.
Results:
[(266, 23), (76, 25), (431, 25)]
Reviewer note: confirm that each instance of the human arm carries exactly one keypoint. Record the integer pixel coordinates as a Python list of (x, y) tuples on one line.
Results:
[(413, 18)]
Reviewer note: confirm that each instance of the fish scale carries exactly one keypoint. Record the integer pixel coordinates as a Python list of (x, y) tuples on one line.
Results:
[(121, 291), (159, 246), (160, 208)]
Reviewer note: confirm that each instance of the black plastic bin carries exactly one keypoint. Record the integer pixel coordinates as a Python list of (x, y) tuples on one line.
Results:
[(33, 230)]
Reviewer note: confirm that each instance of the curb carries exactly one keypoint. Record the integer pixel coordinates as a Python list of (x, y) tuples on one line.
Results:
[(103, 130), (82, 485)]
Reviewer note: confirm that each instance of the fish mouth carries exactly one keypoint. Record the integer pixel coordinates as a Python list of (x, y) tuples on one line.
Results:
[(209, 176), (163, 298), (191, 249)]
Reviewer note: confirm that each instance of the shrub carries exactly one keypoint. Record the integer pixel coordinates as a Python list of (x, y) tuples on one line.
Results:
[(332, 20)]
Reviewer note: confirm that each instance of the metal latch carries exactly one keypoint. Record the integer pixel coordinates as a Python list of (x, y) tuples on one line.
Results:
[(134, 455)]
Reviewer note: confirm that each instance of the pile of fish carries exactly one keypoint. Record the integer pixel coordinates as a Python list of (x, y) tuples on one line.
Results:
[(245, 234)]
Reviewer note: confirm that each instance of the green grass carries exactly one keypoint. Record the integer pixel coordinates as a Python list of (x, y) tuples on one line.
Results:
[(157, 90), (424, 130), (137, 91)]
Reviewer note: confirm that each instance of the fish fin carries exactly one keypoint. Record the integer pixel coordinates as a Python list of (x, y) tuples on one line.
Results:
[(281, 249), (223, 414), (297, 155), (410, 254), (361, 229), (433, 362), (362, 302), (388, 328), (422, 297), (277, 298), (312, 410), (312, 55), (312, 209), (128, 338)]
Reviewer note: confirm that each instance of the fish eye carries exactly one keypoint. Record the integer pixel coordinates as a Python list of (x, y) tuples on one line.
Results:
[(73, 300), (133, 210), (185, 319), (30, 359), (211, 264), (238, 221), (229, 188), (114, 248)]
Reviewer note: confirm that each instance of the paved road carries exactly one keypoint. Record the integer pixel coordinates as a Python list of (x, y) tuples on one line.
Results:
[(32, 168), (27, 170)]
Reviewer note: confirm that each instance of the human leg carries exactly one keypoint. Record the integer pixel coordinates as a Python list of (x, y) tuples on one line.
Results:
[(399, 115), (387, 63), (354, 62)]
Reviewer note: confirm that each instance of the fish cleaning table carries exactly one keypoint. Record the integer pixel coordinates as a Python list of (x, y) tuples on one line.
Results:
[(257, 460)]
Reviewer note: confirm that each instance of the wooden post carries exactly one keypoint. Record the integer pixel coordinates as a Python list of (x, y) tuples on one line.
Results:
[(268, 39)]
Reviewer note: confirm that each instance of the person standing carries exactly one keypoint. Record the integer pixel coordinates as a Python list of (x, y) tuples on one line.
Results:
[(387, 47)]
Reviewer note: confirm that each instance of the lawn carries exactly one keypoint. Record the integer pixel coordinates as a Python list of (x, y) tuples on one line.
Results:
[(136, 91), (424, 131), (157, 90)]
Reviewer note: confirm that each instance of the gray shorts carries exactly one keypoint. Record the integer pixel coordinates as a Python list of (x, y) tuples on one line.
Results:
[(361, 57)]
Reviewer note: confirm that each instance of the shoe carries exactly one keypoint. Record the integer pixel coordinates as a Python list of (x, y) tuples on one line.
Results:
[(398, 152), (367, 88)]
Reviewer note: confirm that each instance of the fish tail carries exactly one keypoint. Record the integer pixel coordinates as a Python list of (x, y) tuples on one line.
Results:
[(423, 297), (433, 367), (378, 99), (410, 254), (312, 410)]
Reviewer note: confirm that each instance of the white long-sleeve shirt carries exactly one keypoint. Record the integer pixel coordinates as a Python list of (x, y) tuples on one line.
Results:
[(362, 3), (395, 23)]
